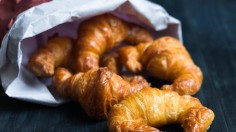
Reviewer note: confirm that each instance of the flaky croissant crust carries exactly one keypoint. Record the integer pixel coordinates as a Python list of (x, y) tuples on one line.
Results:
[(97, 90), (151, 107), (167, 59), (111, 61), (56, 52), (100, 34)]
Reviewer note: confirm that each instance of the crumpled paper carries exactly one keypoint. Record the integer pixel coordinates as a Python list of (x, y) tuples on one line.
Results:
[(9, 9), (32, 28)]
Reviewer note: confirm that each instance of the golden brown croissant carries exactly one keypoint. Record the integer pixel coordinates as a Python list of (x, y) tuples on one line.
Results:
[(151, 107), (167, 59), (102, 33), (57, 52), (97, 90), (111, 61)]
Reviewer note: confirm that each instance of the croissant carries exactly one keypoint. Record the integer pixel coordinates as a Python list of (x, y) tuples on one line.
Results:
[(97, 90), (111, 61), (57, 52), (167, 59), (151, 107), (102, 33)]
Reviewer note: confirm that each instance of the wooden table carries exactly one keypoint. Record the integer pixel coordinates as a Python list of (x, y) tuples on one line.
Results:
[(209, 32)]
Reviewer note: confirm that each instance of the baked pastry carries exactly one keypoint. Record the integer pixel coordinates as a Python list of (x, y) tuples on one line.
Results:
[(166, 59), (97, 90), (100, 34), (111, 61), (57, 52), (150, 107)]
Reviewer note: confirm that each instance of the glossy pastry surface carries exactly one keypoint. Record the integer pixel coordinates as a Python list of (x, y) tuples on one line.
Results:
[(151, 107), (97, 90), (166, 59), (111, 61), (100, 34), (56, 52)]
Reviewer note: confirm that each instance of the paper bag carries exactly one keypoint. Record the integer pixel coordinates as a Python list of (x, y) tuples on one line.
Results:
[(33, 26)]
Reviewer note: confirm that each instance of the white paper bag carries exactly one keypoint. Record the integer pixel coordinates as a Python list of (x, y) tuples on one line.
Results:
[(32, 28)]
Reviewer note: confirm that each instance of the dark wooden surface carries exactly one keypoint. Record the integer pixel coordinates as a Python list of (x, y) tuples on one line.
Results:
[(209, 31)]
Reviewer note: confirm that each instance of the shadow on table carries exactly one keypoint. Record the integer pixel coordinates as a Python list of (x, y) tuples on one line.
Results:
[(19, 115)]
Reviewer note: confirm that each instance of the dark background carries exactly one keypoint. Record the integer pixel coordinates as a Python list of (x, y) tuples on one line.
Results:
[(209, 32)]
